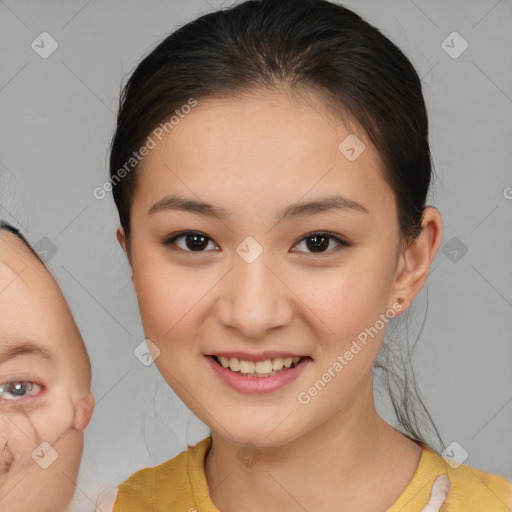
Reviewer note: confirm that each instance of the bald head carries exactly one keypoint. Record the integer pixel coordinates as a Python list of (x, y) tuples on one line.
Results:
[(23, 268)]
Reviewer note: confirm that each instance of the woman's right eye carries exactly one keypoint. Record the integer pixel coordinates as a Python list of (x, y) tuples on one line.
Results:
[(16, 390), (194, 241)]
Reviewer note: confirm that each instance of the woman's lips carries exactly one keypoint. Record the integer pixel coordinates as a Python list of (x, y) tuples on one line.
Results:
[(254, 384)]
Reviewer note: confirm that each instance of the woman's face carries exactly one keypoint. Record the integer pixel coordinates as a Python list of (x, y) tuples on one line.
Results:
[(45, 398), (256, 285)]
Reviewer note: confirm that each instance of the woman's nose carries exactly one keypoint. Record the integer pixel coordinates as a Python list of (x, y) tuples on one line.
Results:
[(254, 298)]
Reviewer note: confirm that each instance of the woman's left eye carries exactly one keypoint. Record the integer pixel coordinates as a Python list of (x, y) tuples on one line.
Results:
[(19, 389), (320, 241)]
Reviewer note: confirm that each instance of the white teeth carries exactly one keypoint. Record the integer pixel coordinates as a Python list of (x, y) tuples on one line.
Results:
[(259, 368), (263, 366), (234, 364), (277, 363), (247, 366)]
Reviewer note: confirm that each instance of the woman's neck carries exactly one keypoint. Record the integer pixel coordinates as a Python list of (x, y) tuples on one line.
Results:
[(356, 461)]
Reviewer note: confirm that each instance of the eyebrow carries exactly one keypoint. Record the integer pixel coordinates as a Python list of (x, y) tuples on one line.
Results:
[(23, 349), (336, 202)]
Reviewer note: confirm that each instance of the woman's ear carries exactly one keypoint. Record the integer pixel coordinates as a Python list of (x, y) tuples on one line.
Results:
[(121, 238), (415, 260)]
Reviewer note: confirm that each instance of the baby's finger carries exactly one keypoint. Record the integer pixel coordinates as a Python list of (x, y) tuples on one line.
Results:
[(438, 495)]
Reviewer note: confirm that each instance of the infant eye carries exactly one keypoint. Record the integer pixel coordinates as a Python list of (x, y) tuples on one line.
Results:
[(16, 390)]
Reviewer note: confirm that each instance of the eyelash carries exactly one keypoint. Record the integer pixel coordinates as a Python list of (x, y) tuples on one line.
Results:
[(4, 389), (341, 243)]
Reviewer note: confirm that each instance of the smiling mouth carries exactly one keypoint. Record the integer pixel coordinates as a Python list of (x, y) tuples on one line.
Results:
[(265, 368)]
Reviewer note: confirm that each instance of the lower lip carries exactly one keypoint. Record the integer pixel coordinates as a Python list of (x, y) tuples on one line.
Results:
[(256, 385)]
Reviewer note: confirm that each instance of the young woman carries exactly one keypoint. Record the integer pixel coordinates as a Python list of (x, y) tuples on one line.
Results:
[(271, 167)]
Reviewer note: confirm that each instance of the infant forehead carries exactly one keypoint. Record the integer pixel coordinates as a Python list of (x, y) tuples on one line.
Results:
[(16, 258), (28, 290)]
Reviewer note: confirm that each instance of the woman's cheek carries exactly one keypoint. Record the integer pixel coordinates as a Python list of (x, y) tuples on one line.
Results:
[(340, 299), (165, 299)]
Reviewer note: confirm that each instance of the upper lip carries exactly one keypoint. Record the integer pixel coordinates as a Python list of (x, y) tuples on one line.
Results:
[(261, 356)]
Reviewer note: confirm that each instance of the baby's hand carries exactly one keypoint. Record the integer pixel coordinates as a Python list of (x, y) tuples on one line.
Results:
[(438, 495)]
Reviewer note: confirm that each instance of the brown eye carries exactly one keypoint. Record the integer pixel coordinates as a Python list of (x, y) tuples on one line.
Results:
[(317, 243), (320, 242), (193, 241)]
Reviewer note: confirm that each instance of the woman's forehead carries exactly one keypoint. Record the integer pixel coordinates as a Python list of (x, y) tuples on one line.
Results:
[(232, 142)]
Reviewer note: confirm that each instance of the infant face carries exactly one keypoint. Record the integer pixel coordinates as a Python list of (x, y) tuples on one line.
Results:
[(45, 380)]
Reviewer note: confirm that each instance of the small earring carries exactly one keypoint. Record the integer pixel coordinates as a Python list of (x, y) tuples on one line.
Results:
[(400, 300)]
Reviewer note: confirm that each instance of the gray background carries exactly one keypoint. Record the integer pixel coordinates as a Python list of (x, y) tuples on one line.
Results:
[(57, 119)]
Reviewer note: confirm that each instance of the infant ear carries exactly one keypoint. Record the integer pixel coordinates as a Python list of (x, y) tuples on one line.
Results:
[(83, 412)]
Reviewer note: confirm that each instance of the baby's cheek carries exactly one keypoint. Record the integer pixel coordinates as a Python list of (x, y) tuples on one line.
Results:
[(57, 417), (18, 439), (28, 426), (6, 455)]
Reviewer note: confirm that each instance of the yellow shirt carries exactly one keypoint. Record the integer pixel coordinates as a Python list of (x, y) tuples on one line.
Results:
[(180, 485)]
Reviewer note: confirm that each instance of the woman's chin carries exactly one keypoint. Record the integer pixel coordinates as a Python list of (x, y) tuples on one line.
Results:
[(257, 434)]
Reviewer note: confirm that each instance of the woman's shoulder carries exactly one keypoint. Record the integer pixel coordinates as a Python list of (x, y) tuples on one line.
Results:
[(179, 483), (471, 489), (169, 482)]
